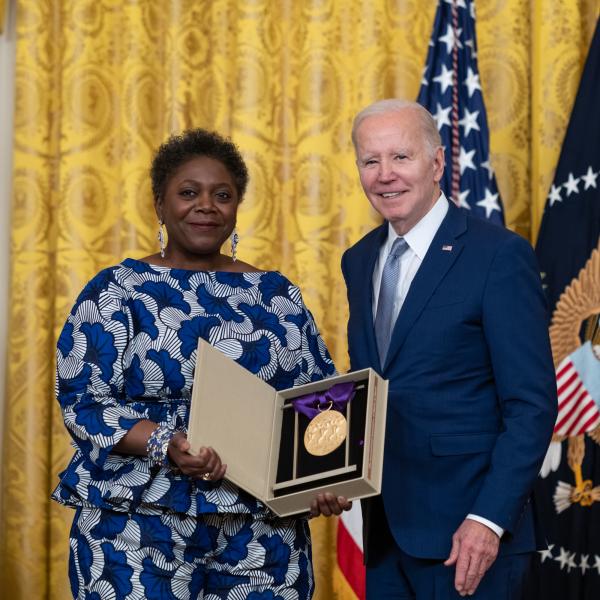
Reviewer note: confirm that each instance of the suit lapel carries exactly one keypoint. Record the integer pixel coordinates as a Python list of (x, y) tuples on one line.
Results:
[(442, 253), (371, 256)]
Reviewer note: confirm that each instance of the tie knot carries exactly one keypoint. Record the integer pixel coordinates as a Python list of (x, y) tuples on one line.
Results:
[(398, 247)]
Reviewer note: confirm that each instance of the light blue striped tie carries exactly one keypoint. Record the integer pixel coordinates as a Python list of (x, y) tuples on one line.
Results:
[(387, 294)]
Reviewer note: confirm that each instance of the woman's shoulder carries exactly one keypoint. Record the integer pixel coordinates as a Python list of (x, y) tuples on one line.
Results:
[(244, 267), (118, 275)]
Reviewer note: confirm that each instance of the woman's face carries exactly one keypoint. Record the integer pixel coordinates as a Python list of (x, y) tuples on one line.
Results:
[(198, 208)]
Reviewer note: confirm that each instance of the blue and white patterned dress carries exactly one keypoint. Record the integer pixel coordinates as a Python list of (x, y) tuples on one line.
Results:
[(127, 352)]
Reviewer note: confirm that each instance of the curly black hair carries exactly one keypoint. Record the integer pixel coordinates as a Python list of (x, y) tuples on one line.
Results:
[(178, 149)]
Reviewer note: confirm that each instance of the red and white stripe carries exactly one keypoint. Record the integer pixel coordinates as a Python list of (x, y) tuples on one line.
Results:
[(349, 550), (577, 411)]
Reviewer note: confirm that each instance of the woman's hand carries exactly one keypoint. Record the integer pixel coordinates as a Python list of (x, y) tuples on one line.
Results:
[(204, 465), (327, 504)]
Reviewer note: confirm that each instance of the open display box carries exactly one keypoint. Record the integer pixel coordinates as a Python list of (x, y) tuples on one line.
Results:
[(260, 436)]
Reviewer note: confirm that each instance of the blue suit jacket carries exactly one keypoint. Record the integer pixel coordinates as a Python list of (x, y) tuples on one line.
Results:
[(472, 397)]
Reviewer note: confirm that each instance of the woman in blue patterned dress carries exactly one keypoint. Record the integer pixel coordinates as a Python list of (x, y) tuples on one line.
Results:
[(153, 521)]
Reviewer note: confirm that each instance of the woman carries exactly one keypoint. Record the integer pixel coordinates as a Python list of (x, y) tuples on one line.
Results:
[(152, 520)]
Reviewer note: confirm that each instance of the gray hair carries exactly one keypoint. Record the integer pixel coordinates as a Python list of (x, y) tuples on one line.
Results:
[(393, 105)]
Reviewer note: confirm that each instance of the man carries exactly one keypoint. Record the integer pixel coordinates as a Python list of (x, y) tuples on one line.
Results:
[(454, 316)]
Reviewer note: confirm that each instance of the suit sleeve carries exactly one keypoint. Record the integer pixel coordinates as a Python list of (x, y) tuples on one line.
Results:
[(344, 266), (515, 327)]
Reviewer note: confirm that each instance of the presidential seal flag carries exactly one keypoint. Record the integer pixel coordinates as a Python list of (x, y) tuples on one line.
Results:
[(451, 91), (568, 492)]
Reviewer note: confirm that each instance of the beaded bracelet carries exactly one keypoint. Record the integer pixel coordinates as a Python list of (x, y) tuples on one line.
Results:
[(158, 444)]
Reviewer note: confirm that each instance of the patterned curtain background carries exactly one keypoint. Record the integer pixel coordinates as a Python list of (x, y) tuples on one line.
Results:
[(2, 14), (100, 83)]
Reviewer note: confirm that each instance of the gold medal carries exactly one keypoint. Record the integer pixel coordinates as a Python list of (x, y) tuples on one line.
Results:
[(325, 433)]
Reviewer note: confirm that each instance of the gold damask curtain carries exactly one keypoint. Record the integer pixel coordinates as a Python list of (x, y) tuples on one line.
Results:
[(2, 14), (100, 83)]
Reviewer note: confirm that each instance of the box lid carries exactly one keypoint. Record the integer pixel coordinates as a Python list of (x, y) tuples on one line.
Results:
[(230, 403)]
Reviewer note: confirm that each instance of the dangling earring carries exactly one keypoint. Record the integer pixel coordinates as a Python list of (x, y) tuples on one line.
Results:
[(235, 238), (161, 238)]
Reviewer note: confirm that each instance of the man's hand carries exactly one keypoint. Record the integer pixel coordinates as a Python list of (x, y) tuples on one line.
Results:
[(474, 549), (327, 504)]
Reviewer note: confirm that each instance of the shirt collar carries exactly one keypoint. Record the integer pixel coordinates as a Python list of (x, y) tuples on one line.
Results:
[(419, 238)]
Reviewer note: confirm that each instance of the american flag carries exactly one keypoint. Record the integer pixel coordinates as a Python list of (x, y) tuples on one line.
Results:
[(451, 91), (350, 555)]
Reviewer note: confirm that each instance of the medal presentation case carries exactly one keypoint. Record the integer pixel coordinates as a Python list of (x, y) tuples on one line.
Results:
[(263, 439)]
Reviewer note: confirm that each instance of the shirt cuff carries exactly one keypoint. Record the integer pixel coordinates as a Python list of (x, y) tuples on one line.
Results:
[(497, 530)]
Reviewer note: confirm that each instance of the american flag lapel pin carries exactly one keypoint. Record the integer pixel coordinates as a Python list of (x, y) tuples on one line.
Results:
[(447, 248)]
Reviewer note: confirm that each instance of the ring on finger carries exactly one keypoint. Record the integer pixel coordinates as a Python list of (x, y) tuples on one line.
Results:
[(207, 476)]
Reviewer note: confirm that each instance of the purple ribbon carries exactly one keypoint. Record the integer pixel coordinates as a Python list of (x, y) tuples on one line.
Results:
[(336, 398)]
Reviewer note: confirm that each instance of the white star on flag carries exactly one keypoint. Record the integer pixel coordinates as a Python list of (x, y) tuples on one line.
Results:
[(465, 160), (584, 565), (488, 167), (571, 564), (462, 199), (489, 202), (472, 81), (554, 195), (448, 39), (442, 116), (571, 185), (469, 121), (562, 558), (444, 78), (471, 44), (544, 554), (597, 563), (590, 178)]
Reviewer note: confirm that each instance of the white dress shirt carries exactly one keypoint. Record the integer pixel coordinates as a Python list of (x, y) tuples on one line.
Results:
[(419, 239)]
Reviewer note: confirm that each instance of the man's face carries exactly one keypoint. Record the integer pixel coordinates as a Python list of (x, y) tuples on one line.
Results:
[(397, 170)]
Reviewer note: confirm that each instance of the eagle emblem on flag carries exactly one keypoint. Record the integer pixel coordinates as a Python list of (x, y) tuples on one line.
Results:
[(578, 382)]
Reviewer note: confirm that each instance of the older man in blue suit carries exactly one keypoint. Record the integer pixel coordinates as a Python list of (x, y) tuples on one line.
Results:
[(450, 310)]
